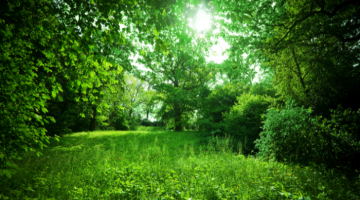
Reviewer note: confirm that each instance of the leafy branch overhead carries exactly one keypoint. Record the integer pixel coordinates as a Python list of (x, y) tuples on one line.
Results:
[(62, 51)]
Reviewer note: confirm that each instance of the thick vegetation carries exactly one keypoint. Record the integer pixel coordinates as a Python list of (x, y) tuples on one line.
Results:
[(163, 165), (293, 135), (286, 91)]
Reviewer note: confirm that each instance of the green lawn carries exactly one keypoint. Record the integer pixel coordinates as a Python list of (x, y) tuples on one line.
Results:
[(162, 165)]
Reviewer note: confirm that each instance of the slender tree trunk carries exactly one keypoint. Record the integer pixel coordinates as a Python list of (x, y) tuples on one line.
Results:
[(148, 109), (177, 117), (93, 120), (177, 112)]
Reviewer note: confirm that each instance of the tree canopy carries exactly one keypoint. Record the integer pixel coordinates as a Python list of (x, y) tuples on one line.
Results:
[(179, 72), (312, 45), (46, 43)]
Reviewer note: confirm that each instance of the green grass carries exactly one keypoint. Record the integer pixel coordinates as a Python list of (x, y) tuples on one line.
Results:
[(162, 165)]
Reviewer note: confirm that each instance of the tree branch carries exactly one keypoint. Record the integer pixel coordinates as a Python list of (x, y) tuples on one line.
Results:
[(338, 8), (289, 67), (322, 11), (309, 71)]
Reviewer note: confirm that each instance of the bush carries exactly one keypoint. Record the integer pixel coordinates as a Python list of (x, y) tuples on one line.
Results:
[(134, 121), (244, 119), (221, 99), (341, 140), (101, 122), (283, 131), (118, 120), (294, 135), (146, 122)]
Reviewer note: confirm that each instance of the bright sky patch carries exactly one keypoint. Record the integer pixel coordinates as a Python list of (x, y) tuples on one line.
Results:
[(202, 21)]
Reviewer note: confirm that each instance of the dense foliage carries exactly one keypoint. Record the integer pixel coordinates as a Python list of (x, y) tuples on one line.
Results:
[(219, 101), (243, 121), (312, 45), (235, 109), (295, 136), (68, 66), (284, 129), (49, 46), (179, 73)]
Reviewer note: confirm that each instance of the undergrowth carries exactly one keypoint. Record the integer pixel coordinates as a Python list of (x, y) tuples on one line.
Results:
[(163, 165)]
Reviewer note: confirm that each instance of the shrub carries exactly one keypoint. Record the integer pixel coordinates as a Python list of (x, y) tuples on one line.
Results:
[(118, 120), (244, 119), (101, 122), (283, 131), (341, 140), (293, 135), (146, 122), (134, 121), (221, 99)]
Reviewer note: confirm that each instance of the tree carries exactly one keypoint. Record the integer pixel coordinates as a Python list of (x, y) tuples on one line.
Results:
[(132, 97), (179, 72), (243, 121), (302, 76), (41, 39), (150, 101), (219, 101), (313, 45), (23, 92), (87, 99)]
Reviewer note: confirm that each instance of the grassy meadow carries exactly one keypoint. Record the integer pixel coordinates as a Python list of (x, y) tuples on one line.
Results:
[(155, 164)]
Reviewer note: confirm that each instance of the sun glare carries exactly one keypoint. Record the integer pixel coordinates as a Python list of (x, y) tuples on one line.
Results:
[(202, 21)]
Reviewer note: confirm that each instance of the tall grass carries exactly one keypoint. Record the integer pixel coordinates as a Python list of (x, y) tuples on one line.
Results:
[(162, 165)]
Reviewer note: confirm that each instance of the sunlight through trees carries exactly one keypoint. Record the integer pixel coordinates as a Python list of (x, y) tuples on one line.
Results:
[(202, 21), (284, 74)]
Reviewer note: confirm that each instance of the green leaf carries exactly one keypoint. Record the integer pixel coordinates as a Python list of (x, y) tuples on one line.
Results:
[(228, 16), (51, 118), (6, 172), (155, 32), (53, 94), (157, 47), (233, 17), (44, 110), (246, 19)]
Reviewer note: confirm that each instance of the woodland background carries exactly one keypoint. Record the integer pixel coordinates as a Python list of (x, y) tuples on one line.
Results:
[(66, 67)]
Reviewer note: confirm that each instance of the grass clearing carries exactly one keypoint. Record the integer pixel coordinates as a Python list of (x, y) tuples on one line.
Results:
[(162, 165)]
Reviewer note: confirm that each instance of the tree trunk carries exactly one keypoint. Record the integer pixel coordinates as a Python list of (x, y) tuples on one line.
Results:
[(130, 112), (93, 120), (177, 112), (177, 117)]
